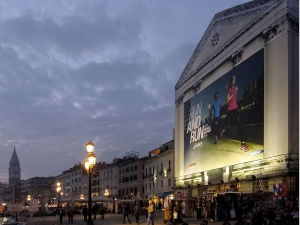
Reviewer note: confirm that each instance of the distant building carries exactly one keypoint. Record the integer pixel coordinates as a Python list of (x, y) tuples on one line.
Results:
[(158, 172), (131, 184), (72, 182), (40, 189), (108, 179)]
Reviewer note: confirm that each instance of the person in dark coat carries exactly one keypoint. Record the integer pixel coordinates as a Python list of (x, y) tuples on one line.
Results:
[(85, 212), (126, 211), (137, 211), (102, 210), (61, 212), (70, 214), (95, 210)]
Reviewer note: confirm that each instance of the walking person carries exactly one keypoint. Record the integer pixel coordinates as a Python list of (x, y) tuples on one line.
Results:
[(95, 210), (137, 211), (61, 213), (151, 209), (102, 210), (85, 212), (126, 210), (176, 213), (70, 214)]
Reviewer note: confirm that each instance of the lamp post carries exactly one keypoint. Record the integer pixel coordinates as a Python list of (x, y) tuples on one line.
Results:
[(58, 190), (29, 208), (89, 164)]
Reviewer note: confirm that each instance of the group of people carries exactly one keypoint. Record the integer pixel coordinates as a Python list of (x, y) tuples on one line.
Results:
[(61, 213), (133, 209), (95, 209)]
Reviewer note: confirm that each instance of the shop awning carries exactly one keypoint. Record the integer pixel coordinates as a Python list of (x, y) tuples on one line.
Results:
[(150, 196), (165, 194)]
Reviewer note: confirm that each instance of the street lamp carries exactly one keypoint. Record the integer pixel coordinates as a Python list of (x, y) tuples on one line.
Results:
[(58, 190), (29, 208), (106, 193), (89, 164)]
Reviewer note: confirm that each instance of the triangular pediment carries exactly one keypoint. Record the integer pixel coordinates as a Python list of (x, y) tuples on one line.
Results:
[(224, 29)]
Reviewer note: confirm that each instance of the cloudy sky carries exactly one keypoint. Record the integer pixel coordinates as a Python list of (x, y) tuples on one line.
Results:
[(73, 71)]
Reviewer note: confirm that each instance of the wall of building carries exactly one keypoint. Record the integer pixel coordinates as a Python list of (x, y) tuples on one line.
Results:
[(272, 32)]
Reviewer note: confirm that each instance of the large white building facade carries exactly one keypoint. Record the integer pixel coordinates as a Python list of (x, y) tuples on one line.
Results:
[(237, 104)]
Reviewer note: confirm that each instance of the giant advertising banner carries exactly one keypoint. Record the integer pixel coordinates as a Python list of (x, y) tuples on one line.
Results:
[(224, 123)]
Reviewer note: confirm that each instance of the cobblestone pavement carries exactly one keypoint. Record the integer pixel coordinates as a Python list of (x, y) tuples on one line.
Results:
[(111, 219)]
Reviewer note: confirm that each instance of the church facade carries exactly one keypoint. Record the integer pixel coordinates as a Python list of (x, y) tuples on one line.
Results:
[(237, 105)]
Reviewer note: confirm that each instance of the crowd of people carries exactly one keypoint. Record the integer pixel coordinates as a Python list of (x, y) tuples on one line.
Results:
[(285, 210)]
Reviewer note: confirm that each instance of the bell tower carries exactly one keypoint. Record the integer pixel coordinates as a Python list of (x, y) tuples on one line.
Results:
[(14, 169)]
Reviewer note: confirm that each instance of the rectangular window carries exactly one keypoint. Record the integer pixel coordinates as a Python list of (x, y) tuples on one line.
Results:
[(169, 182), (161, 183), (161, 167), (146, 187)]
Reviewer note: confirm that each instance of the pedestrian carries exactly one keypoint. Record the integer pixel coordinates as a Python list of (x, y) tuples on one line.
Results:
[(102, 210), (151, 209), (126, 211), (94, 210), (137, 211), (70, 214), (61, 214), (85, 212), (176, 210)]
